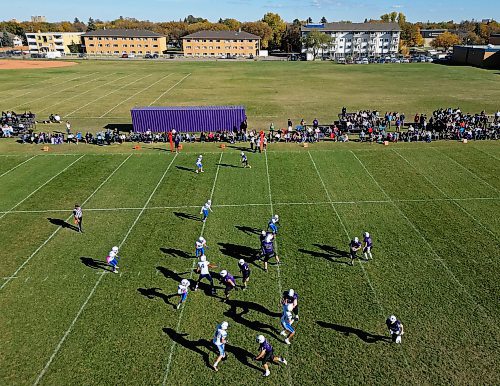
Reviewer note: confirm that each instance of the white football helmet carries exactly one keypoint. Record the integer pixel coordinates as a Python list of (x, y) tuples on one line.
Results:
[(223, 273), (224, 325), (291, 292), (209, 201), (241, 262), (367, 234), (203, 258), (201, 239), (392, 319), (185, 282), (276, 217), (356, 239), (263, 233), (112, 254), (115, 249), (200, 156), (242, 153), (260, 338)]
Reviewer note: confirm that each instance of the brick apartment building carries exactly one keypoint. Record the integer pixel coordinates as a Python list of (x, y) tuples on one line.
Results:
[(221, 44), (123, 41)]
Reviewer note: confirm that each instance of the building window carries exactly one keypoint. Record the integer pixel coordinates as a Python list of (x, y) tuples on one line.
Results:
[(91, 44), (87, 38), (155, 45), (132, 45), (115, 45)]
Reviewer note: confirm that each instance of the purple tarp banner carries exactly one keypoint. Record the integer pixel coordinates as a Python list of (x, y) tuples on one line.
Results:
[(187, 118)]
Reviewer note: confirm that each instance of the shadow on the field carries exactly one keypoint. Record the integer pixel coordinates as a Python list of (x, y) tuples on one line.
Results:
[(248, 230), (95, 264), (240, 252), (176, 253), (183, 168), (246, 306), (152, 293), (240, 148), (255, 325), (61, 223), (328, 253), (195, 346), (171, 274), (187, 216), (228, 166), (363, 335)]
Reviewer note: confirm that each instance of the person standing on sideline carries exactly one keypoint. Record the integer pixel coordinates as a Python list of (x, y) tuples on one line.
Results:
[(78, 217), (68, 127), (220, 338), (266, 355)]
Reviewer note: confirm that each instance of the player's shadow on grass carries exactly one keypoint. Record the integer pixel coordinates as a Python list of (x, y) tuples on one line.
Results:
[(246, 306), (257, 326), (248, 230), (240, 148), (363, 335), (228, 166), (61, 223), (185, 169), (171, 274), (187, 216), (152, 293), (176, 253), (244, 252), (328, 253), (95, 264)]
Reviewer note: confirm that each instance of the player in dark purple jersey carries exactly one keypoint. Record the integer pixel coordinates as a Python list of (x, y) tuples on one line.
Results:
[(354, 247), (266, 355), (291, 297), (228, 280), (268, 250), (245, 272), (367, 247), (395, 328)]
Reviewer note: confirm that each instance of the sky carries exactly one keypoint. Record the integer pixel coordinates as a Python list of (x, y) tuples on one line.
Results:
[(251, 10)]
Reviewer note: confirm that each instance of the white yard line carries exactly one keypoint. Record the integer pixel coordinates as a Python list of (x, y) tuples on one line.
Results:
[(40, 187), (170, 356), (280, 286), (58, 228), (92, 292), (468, 170), (262, 204), (381, 307), (486, 153), (438, 258), (15, 167), (165, 92), (57, 92), (133, 95), (84, 92), (448, 197), (105, 95)]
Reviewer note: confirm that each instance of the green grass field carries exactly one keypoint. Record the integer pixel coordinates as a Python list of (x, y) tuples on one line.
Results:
[(96, 93), (433, 212)]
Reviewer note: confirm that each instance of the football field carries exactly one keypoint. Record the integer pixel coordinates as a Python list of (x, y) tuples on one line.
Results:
[(433, 212)]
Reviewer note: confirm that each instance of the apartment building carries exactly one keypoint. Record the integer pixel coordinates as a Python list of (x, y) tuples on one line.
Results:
[(123, 41), (356, 39), (221, 44), (43, 42)]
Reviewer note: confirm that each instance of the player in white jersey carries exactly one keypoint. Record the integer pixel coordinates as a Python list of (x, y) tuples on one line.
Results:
[(220, 339), (206, 209), (287, 321), (200, 246), (203, 270), (199, 164), (182, 291), (113, 258)]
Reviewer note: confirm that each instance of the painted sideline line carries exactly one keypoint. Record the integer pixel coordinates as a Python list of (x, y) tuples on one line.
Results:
[(165, 92), (487, 153), (262, 204), (58, 91), (40, 187), (438, 258), (15, 167), (133, 95), (280, 286), (92, 292), (381, 307), (84, 92), (58, 228), (105, 95), (169, 362), (448, 197)]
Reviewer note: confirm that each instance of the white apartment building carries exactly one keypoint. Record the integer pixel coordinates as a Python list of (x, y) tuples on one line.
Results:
[(357, 39), (40, 42)]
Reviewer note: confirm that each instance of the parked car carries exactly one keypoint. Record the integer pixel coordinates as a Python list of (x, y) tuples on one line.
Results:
[(405, 60), (148, 56), (429, 59), (124, 56)]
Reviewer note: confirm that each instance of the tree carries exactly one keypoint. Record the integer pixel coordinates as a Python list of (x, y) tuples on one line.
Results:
[(278, 27), (260, 29), (316, 41), (75, 48), (206, 26), (309, 20), (385, 18), (91, 25), (410, 35), (445, 40), (291, 41), (323, 20), (472, 38), (191, 19), (232, 24), (401, 19), (393, 16), (6, 40)]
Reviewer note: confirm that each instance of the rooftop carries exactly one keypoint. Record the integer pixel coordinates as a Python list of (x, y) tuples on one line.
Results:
[(127, 33), (221, 35), (353, 27)]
